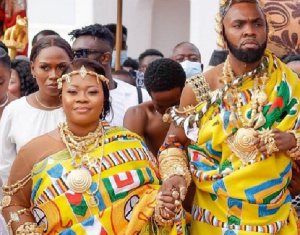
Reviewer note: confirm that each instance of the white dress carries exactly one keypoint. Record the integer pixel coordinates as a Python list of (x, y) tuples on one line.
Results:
[(122, 98), (19, 124)]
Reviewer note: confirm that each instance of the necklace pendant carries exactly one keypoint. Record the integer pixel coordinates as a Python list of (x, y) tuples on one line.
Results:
[(79, 180), (93, 201), (241, 143)]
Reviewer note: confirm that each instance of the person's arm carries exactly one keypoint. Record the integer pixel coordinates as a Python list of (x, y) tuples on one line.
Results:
[(7, 145), (135, 120), (16, 196)]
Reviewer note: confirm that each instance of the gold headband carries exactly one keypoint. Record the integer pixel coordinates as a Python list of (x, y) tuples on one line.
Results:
[(82, 72)]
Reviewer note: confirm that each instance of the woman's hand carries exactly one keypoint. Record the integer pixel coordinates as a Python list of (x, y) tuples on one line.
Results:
[(283, 141), (172, 190)]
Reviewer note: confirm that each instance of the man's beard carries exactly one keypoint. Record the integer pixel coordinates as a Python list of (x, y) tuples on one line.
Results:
[(249, 55)]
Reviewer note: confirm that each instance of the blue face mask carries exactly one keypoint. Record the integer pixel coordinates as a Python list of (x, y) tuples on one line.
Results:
[(123, 58), (191, 68)]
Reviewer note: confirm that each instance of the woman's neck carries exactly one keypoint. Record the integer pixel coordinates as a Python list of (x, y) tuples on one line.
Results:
[(47, 100), (82, 129)]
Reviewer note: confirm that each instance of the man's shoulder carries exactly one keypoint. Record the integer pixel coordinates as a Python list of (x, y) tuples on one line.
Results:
[(142, 109)]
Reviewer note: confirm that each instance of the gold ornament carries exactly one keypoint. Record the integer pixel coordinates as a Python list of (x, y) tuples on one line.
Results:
[(79, 180), (6, 200), (242, 144), (82, 72)]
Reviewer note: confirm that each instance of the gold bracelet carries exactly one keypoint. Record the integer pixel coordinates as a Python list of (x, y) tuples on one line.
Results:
[(294, 153), (173, 161), (29, 228), (14, 216), (9, 190)]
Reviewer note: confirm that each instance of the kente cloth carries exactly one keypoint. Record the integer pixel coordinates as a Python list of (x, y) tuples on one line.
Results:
[(128, 185), (239, 198)]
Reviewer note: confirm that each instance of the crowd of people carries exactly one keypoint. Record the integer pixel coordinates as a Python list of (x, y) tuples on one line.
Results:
[(161, 146)]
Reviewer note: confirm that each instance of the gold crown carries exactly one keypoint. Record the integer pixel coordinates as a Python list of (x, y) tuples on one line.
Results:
[(82, 72)]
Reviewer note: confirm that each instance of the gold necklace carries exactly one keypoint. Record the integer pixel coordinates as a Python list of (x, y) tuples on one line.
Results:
[(79, 180), (5, 102), (241, 143), (44, 106)]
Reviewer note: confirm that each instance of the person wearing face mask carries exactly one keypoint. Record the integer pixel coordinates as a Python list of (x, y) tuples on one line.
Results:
[(113, 29), (188, 55)]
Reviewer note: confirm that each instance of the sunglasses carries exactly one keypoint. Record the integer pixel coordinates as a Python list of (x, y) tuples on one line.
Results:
[(83, 53)]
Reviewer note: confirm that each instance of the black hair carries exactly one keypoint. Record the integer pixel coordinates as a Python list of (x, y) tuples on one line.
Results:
[(3, 46), (113, 28), (28, 83), (91, 65), (163, 75), (46, 32), (150, 52), (4, 58), (129, 62), (97, 30), (290, 58), (49, 42)]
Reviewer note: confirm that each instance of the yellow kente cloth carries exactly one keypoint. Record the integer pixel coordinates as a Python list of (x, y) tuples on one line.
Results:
[(236, 198), (127, 192)]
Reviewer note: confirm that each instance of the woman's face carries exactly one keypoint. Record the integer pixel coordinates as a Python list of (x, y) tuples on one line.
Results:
[(14, 87), (48, 67), (82, 100), (4, 81)]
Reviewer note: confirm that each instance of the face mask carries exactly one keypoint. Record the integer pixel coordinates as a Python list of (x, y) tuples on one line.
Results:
[(191, 68), (123, 57)]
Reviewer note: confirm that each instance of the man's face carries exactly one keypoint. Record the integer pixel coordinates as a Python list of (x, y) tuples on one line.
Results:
[(245, 32), (186, 52), (163, 100), (88, 46), (147, 60)]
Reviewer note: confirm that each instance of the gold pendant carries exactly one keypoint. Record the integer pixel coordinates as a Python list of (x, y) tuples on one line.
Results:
[(79, 180), (93, 201), (6, 200), (242, 144)]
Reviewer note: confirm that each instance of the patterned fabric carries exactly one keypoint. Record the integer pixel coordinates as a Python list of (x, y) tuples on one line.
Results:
[(127, 192), (252, 198)]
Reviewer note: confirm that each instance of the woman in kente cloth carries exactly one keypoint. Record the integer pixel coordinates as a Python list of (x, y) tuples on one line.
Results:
[(86, 177), (244, 138)]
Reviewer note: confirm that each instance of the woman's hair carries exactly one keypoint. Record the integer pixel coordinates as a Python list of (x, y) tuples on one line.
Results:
[(50, 41), (91, 65), (28, 83), (4, 58)]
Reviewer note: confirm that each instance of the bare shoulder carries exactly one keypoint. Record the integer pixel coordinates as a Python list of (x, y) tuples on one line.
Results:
[(213, 77)]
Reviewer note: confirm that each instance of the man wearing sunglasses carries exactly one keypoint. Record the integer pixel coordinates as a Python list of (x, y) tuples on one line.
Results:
[(96, 42)]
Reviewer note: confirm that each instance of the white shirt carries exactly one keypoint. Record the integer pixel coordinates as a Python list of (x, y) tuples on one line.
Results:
[(19, 124), (122, 98)]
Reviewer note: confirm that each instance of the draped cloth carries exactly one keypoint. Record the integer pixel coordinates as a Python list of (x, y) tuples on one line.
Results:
[(127, 192), (252, 198)]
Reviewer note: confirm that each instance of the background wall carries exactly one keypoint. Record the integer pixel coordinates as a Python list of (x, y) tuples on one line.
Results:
[(159, 24)]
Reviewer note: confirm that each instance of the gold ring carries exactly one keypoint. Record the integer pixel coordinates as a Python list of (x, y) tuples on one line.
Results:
[(182, 188), (175, 194)]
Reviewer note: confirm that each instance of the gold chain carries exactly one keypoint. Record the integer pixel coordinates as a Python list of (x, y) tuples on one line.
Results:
[(44, 106)]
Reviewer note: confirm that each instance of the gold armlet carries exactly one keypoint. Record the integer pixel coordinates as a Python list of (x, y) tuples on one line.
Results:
[(29, 228), (294, 153), (15, 216), (187, 110), (173, 161), (9, 190)]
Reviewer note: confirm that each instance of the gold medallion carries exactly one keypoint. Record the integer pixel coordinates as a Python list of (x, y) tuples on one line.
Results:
[(242, 144), (93, 201), (79, 180), (6, 200)]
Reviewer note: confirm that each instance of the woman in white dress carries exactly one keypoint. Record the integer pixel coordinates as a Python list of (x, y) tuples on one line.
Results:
[(40, 112)]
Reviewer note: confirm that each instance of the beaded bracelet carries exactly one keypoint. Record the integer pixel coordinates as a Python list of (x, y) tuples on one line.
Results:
[(171, 140), (14, 216), (294, 153), (28, 228)]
